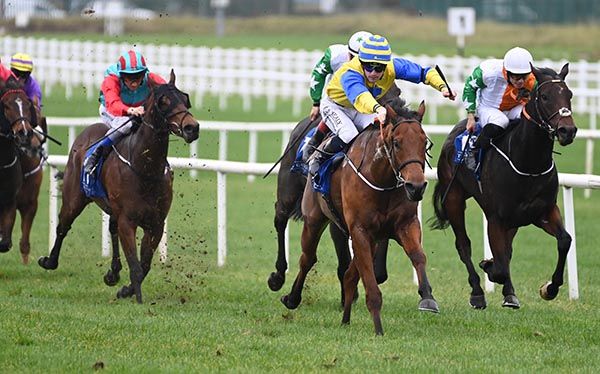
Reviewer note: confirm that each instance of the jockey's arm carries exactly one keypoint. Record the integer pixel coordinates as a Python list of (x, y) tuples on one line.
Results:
[(112, 96)]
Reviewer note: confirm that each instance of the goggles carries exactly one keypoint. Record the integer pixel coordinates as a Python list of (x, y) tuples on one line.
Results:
[(373, 66), (518, 77), (21, 74), (132, 77)]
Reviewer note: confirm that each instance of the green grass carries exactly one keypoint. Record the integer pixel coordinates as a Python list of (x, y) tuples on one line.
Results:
[(197, 317)]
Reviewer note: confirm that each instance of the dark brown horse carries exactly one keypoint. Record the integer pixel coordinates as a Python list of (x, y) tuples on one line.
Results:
[(518, 187), (290, 188), (16, 190), (138, 182), (375, 191)]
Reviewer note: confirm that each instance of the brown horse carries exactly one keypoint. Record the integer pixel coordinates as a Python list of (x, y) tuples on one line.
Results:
[(16, 190), (290, 188), (518, 187), (138, 182), (375, 192)]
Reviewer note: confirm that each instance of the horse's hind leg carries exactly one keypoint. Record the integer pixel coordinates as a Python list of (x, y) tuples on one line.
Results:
[(342, 250), (455, 209), (7, 221), (282, 214), (552, 223), (351, 278), (311, 233), (126, 231), (72, 205), (112, 276)]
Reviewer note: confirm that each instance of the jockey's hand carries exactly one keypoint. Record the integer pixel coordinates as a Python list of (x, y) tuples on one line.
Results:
[(471, 122), (380, 115), (137, 111), (314, 112), (448, 93)]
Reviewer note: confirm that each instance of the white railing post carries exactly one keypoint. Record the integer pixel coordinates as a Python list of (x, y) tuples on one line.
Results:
[(106, 239), (221, 218), (162, 246), (252, 150), (572, 255), (194, 154), (487, 254), (52, 207)]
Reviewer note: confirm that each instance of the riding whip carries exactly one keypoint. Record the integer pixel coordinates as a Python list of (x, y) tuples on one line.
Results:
[(439, 71)]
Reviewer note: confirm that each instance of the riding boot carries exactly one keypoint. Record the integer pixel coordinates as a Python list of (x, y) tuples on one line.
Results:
[(334, 146), (489, 132), (102, 150), (315, 141)]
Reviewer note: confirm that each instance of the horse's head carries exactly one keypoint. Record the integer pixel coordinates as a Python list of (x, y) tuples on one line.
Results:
[(405, 145), (172, 106), (552, 104), (16, 113)]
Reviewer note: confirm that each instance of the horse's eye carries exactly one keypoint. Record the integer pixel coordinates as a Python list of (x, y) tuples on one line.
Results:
[(544, 97), (396, 144)]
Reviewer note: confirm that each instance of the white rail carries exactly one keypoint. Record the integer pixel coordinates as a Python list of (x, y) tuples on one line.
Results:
[(568, 181)]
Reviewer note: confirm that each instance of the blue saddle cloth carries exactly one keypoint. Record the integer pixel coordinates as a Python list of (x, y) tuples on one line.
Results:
[(299, 166), (91, 185), (322, 180)]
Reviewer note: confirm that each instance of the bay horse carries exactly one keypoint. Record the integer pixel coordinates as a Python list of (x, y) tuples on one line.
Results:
[(518, 187), (375, 191), (138, 182), (18, 190), (290, 189)]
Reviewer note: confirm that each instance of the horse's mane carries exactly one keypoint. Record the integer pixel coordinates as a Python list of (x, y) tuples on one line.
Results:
[(549, 72), (11, 84), (402, 110)]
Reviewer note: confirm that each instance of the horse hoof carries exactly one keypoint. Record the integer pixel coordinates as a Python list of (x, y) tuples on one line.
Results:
[(125, 292), (25, 259), (287, 301), (5, 246), (478, 302), (428, 305), (276, 281), (47, 264), (110, 279), (511, 301), (547, 291)]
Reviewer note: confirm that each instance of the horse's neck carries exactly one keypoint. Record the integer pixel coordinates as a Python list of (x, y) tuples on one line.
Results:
[(529, 146), (149, 151), (374, 159), (8, 151)]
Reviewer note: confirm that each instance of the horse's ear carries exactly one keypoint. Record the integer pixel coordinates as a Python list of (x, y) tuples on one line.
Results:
[(536, 73), (564, 71), (172, 77), (421, 111), (391, 113)]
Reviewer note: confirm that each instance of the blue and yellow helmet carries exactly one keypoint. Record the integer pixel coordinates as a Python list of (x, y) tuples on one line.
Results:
[(131, 62), (375, 49)]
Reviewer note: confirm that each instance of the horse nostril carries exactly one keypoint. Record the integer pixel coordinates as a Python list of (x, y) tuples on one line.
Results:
[(191, 129)]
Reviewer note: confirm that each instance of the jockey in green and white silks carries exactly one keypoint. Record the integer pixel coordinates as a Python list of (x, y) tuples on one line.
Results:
[(497, 92), (351, 101)]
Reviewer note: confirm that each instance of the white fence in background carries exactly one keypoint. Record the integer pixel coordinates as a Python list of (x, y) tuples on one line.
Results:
[(568, 181), (251, 73), (253, 128)]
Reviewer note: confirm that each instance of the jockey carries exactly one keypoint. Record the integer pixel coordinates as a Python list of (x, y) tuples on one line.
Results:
[(351, 101), (335, 55), (21, 66), (496, 92), (5, 73), (122, 96)]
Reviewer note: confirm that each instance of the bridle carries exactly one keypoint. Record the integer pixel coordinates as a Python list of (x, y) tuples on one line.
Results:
[(174, 95), (396, 169), (544, 124)]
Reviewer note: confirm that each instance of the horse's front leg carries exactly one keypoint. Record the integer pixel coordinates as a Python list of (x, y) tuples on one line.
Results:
[(150, 242), (282, 214), (498, 269), (408, 236), (126, 230), (364, 247), (27, 204), (552, 223), (112, 276), (7, 222)]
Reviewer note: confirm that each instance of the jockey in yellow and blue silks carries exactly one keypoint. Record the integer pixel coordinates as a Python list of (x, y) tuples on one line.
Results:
[(123, 93), (351, 101)]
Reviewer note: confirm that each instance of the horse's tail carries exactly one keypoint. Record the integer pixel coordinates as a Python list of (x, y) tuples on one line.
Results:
[(297, 212), (440, 220)]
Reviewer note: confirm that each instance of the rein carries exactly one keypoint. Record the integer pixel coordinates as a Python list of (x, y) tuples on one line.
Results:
[(541, 122), (397, 170)]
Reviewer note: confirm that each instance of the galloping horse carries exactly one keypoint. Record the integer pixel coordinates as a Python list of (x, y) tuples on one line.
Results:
[(518, 187), (138, 183), (290, 189), (375, 192), (16, 113)]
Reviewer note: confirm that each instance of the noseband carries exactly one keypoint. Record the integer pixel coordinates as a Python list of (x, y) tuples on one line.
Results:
[(545, 123)]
